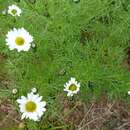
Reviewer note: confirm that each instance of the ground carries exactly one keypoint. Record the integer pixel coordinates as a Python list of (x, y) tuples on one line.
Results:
[(88, 40)]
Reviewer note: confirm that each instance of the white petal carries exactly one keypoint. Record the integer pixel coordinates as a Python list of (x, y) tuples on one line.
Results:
[(23, 116), (69, 94), (72, 80)]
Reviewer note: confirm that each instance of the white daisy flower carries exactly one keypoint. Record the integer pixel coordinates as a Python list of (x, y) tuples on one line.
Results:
[(14, 10), (128, 92), (72, 87), (19, 39), (31, 106), (34, 90)]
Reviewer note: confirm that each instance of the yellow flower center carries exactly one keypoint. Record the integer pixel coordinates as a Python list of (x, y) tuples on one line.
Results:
[(30, 106), (19, 41), (14, 11), (72, 87)]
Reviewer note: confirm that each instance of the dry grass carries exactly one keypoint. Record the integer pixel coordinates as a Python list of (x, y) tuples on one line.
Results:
[(102, 115)]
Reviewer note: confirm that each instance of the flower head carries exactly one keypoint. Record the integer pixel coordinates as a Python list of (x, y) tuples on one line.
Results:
[(34, 90), (14, 10), (72, 87), (19, 39), (14, 91), (31, 106)]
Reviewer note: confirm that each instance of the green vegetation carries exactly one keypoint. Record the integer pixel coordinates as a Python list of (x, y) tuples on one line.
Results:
[(88, 40)]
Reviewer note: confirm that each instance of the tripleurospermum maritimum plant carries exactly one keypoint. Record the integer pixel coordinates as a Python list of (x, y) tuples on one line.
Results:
[(72, 87), (32, 107), (14, 10), (19, 39), (68, 41)]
